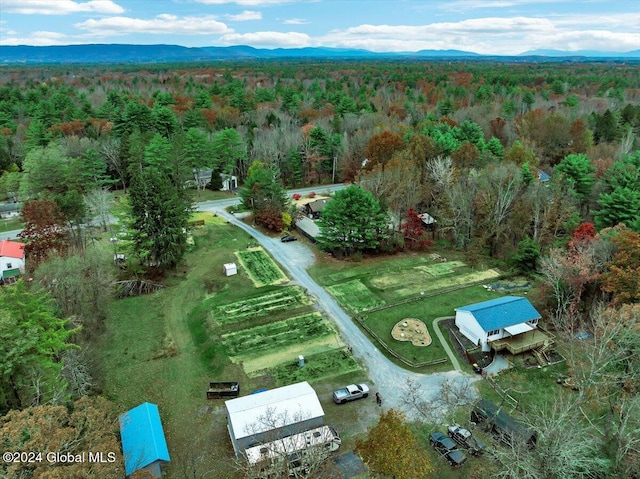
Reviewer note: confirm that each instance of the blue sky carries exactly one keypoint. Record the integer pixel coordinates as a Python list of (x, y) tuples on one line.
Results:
[(482, 26)]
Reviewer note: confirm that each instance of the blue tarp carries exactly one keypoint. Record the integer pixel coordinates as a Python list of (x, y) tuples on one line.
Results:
[(143, 441)]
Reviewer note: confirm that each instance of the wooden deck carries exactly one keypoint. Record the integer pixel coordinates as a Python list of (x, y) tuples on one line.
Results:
[(522, 342)]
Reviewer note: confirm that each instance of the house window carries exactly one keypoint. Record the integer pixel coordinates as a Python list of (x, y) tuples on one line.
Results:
[(9, 266), (493, 332)]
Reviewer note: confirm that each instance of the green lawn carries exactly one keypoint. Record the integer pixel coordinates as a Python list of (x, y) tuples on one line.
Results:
[(389, 280), (153, 348), (10, 225), (164, 348), (427, 309), (354, 296)]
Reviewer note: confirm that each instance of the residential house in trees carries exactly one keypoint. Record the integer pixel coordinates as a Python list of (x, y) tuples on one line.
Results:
[(314, 208), (510, 323), (273, 414), (143, 443), (12, 260), (202, 177)]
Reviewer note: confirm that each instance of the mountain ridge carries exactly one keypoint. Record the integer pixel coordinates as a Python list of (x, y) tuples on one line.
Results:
[(159, 53)]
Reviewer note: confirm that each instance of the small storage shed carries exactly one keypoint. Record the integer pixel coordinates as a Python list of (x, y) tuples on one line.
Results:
[(230, 269), (143, 442)]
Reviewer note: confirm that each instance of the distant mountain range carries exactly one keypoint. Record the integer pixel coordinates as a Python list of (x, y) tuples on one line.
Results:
[(123, 53)]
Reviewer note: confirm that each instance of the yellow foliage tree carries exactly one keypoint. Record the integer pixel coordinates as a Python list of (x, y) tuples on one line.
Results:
[(391, 449)]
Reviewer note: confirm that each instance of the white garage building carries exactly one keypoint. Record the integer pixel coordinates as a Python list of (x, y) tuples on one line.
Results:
[(273, 414)]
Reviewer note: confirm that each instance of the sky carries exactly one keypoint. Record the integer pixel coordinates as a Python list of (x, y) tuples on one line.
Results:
[(499, 27)]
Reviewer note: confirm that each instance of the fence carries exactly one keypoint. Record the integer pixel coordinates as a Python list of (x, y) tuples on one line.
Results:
[(360, 320)]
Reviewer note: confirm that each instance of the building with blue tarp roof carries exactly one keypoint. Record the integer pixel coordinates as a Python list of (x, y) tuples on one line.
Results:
[(143, 442), (497, 319)]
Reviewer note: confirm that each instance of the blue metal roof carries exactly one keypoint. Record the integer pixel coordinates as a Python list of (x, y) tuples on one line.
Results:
[(142, 436), (502, 312)]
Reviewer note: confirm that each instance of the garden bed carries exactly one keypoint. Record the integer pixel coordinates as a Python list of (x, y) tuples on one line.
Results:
[(317, 366), (284, 298), (260, 267), (270, 345)]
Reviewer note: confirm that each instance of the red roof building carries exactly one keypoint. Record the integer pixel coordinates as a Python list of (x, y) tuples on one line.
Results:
[(11, 261), (11, 249)]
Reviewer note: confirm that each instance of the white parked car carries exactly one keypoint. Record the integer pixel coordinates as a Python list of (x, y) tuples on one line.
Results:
[(350, 393)]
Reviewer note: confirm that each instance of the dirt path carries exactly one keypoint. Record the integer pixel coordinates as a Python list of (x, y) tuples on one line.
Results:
[(390, 379), (445, 345)]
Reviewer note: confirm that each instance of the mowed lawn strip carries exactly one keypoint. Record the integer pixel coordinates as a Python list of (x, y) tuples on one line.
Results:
[(354, 296), (260, 267)]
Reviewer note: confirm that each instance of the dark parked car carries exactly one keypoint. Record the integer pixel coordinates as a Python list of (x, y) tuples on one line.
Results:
[(445, 446), (288, 239), (464, 437)]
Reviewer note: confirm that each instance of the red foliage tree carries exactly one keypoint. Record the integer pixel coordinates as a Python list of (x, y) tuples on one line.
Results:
[(44, 232), (270, 218), (581, 238), (414, 231)]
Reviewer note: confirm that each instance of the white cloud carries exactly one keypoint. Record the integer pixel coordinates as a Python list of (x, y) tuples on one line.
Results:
[(244, 16), (42, 38), (59, 7), (295, 21), (251, 3), (490, 35), (268, 39), (466, 5), (165, 24)]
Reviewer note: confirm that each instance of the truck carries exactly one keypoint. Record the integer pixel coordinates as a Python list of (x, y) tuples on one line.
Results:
[(464, 437), (223, 389), (350, 393)]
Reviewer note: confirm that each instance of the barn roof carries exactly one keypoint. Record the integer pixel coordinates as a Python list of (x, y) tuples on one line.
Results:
[(143, 441), (503, 422), (286, 405), (502, 312), (11, 249)]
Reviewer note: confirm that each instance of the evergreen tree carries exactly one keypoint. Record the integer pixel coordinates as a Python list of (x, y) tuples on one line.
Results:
[(352, 222)]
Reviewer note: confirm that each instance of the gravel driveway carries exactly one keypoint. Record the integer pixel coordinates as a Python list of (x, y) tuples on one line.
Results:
[(390, 380)]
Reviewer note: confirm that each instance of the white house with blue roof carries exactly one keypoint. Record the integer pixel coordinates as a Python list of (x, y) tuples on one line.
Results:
[(497, 319), (143, 442)]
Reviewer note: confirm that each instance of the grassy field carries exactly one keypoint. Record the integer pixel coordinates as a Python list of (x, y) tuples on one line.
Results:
[(427, 309), (164, 348), (10, 225), (359, 287), (260, 267), (354, 296)]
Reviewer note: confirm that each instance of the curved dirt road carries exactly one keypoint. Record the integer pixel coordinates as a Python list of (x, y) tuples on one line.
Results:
[(389, 379)]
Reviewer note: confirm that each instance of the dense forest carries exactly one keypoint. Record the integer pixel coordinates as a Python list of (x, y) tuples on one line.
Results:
[(533, 166)]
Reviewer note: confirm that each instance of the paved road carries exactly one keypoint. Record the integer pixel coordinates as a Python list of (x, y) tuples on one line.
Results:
[(9, 234), (389, 378), (208, 205)]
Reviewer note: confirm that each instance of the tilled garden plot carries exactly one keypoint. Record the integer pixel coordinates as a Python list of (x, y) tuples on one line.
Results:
[(285, 298)]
